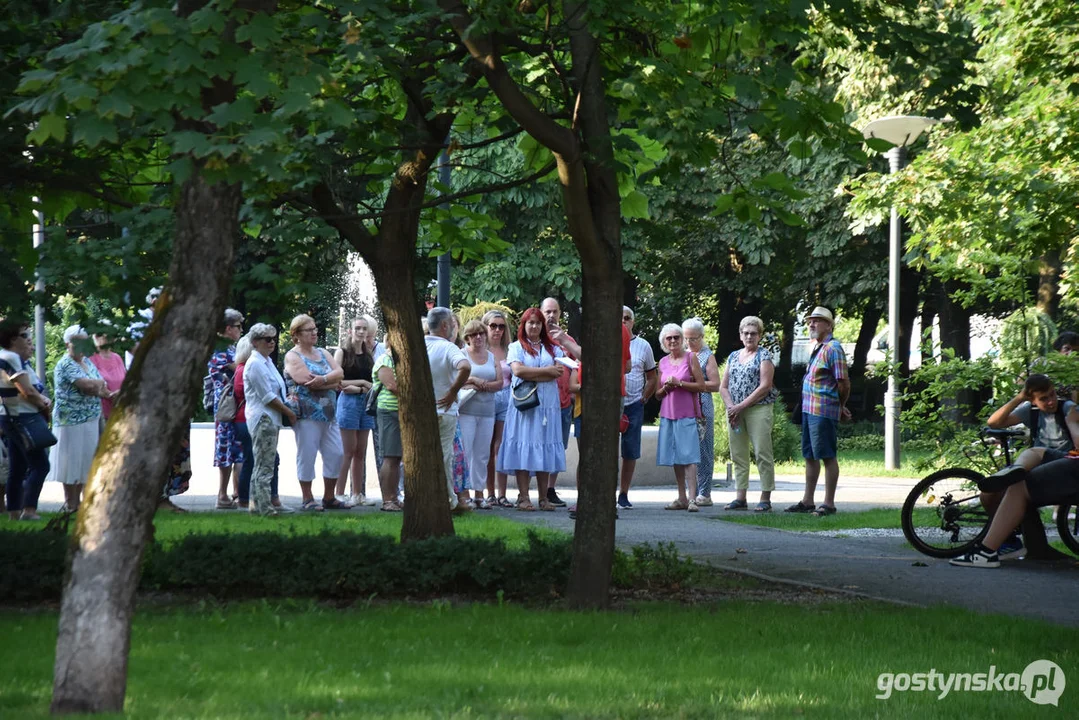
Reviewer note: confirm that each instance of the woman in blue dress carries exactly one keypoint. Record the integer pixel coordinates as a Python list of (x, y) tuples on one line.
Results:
[(532, 441)]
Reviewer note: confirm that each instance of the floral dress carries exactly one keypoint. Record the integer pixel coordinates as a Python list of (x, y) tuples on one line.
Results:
[(227, 448), (73, 407)]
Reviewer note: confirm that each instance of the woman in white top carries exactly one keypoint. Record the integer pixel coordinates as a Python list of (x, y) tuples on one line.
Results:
[(476, 413), (498, 335), (264, 395), (24, 404)]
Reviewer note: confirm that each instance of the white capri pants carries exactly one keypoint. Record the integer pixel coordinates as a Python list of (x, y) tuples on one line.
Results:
[(315, 437), (476, 434)]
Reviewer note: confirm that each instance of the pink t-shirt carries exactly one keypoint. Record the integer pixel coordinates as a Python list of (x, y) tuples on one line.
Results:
[(113, 372), (678, 403)]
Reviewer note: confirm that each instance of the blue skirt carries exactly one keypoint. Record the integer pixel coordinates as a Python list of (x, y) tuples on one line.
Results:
[(351, 414), (532, 440), (678, 442)]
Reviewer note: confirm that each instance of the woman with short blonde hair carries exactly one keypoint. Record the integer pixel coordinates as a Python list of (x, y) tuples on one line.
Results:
[(498, 342), (747, 391), (312, 377)]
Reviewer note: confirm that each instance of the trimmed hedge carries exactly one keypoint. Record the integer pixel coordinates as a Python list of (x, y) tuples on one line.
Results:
[(334, 565)]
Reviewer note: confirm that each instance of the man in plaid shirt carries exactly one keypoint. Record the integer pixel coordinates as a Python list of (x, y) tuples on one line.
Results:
[(825, 390)]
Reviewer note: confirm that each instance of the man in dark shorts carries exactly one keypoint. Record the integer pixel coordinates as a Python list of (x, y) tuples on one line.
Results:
[(1048, 484)]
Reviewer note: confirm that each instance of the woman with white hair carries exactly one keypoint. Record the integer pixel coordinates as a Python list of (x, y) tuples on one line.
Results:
[(693, 331), (311, 380), (264, 397), (749, 396), (78, 389), (680, 380), (228, 453)]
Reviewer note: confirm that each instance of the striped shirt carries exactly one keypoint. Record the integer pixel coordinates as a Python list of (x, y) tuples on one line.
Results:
[(642, 360), (820, 386)]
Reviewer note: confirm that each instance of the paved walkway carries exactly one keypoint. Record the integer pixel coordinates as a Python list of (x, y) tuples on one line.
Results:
[(883, 567)]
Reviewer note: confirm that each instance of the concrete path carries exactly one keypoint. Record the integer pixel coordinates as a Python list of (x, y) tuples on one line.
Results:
[(882, 567)]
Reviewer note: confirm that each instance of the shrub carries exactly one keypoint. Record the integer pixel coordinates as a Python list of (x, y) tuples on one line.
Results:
[(334, 565)]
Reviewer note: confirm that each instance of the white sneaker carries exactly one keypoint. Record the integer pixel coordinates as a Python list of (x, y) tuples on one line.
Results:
[(344, 500), (361, 500), (979, 557)]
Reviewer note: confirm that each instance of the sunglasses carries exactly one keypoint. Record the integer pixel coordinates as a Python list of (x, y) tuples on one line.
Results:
[(270, 338), (497, 326)]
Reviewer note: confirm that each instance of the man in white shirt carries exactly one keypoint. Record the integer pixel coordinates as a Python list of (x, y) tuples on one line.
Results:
[(640, 386), (450, 369)]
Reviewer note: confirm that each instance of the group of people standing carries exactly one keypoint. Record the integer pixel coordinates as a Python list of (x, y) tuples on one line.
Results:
[(86, 381), (505, 409)]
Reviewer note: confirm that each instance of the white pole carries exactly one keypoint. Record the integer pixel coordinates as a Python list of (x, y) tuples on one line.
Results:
[(891, 396), (39, 311)]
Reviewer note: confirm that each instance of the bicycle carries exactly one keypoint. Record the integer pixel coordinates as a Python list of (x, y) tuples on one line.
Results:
[(943, 516)]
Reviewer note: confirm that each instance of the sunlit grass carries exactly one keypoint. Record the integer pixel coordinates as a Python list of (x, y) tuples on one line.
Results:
[(303, 660)]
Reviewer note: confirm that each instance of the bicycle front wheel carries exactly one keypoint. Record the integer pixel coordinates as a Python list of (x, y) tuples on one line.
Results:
[(943, 515), (1068, 526)]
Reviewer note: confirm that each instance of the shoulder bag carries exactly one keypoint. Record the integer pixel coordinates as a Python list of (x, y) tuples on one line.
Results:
[(525, 395), (371, 406), (33, 432), (226, 405)]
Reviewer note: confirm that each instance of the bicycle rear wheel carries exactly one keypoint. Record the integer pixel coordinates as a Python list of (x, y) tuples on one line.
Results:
[(943, 515), (1068, 525)]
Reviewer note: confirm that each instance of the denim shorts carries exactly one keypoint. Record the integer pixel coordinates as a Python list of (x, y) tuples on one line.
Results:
[(502, 404), (631, 438), (819, 438), (352, 412)]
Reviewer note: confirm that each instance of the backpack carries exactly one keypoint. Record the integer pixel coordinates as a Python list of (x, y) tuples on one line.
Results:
[(1060, 415)]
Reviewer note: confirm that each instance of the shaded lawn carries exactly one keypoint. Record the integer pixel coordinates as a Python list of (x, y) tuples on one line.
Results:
[(651, 660), (170, 527)]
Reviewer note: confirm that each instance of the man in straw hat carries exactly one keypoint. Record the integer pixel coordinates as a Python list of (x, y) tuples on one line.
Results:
[(825, 389)]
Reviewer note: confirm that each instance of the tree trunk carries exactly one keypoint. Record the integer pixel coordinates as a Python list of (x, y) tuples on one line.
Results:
[(593, 208), (910, 282), (1049, 269), (391, 256), (870, 319), (931, 308), (132, 462)]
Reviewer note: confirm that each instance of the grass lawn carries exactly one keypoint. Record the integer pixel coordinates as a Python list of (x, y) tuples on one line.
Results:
[(865, 463), (649, 660), (169, 527)]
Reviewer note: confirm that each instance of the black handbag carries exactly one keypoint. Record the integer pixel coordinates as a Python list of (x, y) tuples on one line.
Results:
[(33, 432), (525, 395), (371, 406)]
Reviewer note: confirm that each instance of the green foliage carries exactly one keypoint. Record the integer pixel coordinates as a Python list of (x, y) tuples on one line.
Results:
[(936, 397), (324, 565), (1025, 336)]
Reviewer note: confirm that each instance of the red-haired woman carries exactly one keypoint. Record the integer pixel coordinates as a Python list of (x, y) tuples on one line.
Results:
[(532, 442)]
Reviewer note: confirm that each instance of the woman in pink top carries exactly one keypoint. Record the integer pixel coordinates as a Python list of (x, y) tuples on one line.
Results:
[(680, 380), (111, 367)]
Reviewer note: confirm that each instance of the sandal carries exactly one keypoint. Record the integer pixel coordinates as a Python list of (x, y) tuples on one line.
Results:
[(736, 505), (226, 504), (798, 507), (334, 504), (823, 510), (391, 506), (311, 506), (546, 505), (677, 505), (763, 506), (504, 502), (525, 505)]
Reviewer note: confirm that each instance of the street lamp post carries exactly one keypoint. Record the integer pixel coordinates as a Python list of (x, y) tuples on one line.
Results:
[(900, 131)]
